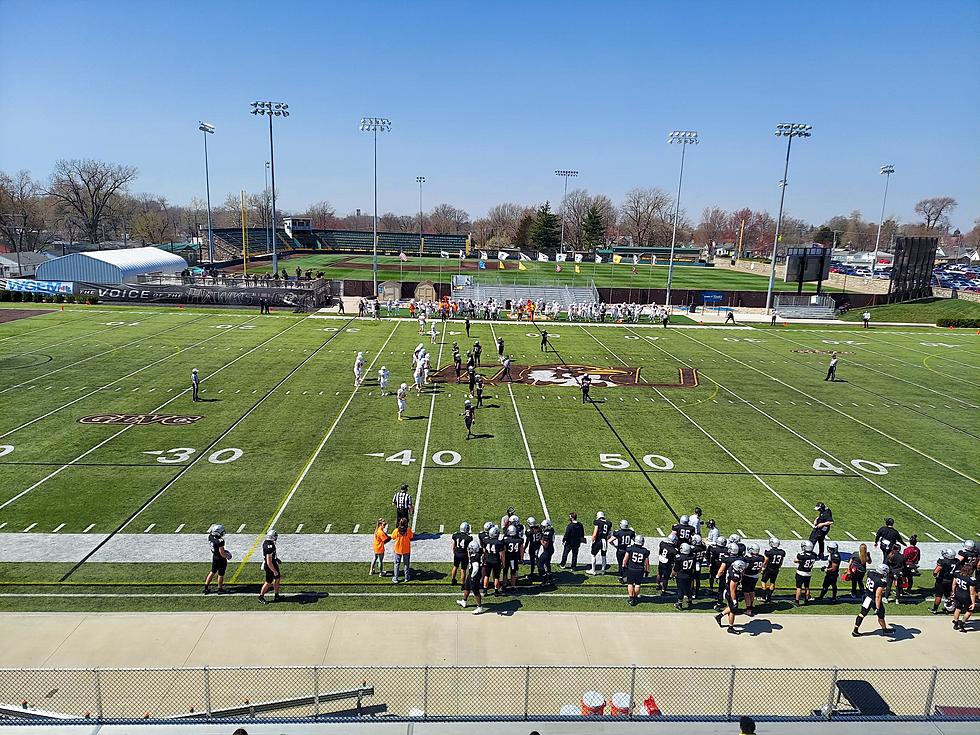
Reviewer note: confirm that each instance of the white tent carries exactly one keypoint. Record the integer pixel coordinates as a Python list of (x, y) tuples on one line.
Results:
[(111, 266)]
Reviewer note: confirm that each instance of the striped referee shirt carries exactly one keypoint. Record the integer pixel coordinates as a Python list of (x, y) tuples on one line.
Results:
[(402, 500)]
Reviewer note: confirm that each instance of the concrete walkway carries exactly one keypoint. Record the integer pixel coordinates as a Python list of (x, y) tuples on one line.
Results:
[(463, 639)]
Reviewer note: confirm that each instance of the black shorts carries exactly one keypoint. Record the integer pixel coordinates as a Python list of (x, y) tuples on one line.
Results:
[(493, 571), (634, 576), (769, 575), (731, 602), (599, 547), (218, 565), (869, 603), (748, 584), (270, 576), (943, 589), (512, 565), (961, 603), (803, 581), (473, 584), (459, 560)]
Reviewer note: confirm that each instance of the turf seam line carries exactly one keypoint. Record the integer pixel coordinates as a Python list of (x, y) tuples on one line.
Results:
[(124, 377), (185, 468), (313, 457), (428, 431), (812, 444)]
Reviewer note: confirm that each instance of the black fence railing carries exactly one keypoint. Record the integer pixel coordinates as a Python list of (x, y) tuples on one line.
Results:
[(533, 693)]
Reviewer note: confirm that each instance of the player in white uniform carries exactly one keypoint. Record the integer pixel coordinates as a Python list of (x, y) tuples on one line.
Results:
[(433, 334), (402, 393), (419, 349), (426, 367), (421, 323), (359, 368), (418, 375), (383, 380)]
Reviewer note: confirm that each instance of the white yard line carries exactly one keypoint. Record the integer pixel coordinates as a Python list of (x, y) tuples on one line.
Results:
[(842, 413), (527, 448), (89, 527), (811, 443), (26, 530), (717, 443), (323, 442), (124, 377), (240, 528), (428, 431), (179, 528), (853, 538)]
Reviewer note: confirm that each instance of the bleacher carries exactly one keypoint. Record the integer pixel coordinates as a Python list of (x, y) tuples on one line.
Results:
[(804, 306), (228, 242), (564, 295)]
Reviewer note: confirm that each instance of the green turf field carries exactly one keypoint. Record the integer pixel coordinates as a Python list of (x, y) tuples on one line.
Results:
[(923, 311), (604, 274), (285, 439)]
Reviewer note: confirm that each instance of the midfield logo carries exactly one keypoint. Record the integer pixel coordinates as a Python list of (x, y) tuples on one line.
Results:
[(140, 419), (570, 376)]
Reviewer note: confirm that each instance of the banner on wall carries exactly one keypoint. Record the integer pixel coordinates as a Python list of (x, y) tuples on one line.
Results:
[(25, 285), (149, 294)]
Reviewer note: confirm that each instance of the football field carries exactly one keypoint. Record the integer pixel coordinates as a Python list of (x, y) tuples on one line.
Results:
[(102, 447)]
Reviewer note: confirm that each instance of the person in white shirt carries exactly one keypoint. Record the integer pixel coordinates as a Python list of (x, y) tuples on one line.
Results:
[(866, 318), (418, 375), (401, 395), (432, 334), (383, 380), (359, 369), (695, 520)]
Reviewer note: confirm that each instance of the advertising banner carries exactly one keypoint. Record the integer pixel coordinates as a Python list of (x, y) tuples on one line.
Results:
[(25, 285), (178, 294)]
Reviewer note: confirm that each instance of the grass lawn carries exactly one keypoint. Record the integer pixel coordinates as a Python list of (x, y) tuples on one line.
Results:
[(923, 311), (283, 438), (604, 274)]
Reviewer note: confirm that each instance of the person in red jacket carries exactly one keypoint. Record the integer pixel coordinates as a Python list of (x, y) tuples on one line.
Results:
[(911, 555)]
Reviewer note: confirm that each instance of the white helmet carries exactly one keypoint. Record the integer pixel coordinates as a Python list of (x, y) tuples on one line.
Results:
[(217, 529), (806, 545), (739, 565), (272, 535), (696, 539), (685, 520), (360, 355), (546, 523), (832, 545), (531, 521), (639, 540), (404, 385), (194, 370), (624, 524), (947, 554), (969, 545), (774, 543), (883, 568), (511, 530), (732, 548), (753, 548), (487, 526), (721, 541), (494, 531), (685, 548), (514, 520), (599, 515), (464, 527), (384, 369), (735, 538), (467, 402), (473, 547)]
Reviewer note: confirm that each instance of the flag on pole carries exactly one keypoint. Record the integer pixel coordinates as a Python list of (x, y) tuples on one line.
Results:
[(501, 266), (560, 257), (653, 260), (461, 256), (402, 257), (578, 268), (483, 265), (636, 260), (542, 258), (520, 266), (483, 255), (522, 256), (501, 255), (469, 240), (617, 259), (557, 268), (578, 257), (444, 254), (598, 259)]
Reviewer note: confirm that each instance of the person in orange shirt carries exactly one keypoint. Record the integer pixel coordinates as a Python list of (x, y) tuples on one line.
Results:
[(403, 549), (381, 537)]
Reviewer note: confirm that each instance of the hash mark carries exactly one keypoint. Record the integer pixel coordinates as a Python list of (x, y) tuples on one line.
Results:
[(850, 535), (768, 533), (299, 528), (29, 528), (149, 528), (660, 531), (179, 528), (357, 527), (88, 528), (58, 528), (327, 529), (930, 536), (740, 532), (796, 534), (240, 528), (442, 528)]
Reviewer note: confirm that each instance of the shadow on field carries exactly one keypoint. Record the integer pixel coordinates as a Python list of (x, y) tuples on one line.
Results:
[(481, 436), (901, 633), (506, 608), (760, 626)]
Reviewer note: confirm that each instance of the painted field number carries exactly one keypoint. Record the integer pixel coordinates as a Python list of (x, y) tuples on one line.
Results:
[(864, 465), (6, 449), (182, 454)]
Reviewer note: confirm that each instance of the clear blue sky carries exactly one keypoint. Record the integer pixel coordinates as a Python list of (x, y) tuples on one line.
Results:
[(487, 99)]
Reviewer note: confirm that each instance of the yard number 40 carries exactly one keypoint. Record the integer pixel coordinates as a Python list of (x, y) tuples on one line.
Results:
[(871, 468)]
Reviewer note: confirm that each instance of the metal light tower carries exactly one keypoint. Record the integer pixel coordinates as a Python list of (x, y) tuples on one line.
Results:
[(887, 170), (268, 214), (684, 138), (420, 180), (207, 129), (565, 174), (272, 109), (789, 131), (374, 125)]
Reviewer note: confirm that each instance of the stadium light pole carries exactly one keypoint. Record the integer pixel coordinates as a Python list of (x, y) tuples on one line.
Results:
[(272, 109), (684, 138), (789, 131), (887, 170), (420, 180), (564, 173), (375, 125), (207, 129)]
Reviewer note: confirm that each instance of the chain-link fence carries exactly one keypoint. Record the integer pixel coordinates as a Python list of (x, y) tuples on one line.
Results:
[(487, 693)]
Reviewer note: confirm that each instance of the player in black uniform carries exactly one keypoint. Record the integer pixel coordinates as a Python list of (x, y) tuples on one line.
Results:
[(733, 580), (479, 391), (513, 553), (637, 562), (460, 541), (728, 557), (968, 554), (533, 545), (964, 595), (477, 351), (715, 552), (500, 350), (700, 551), (737, 540), (469, 417), (874, 599), (665, 561), (466, 323), (804, 571), (472, 577), (830, 572), (770, 572), (622, 539), (683, 529), (945, 568), (271, 567), (547, 551), (457, 361), (887, 536), (684, 564), (601, 531), (821, 527), (754, 564), (471, 379), (586, 384), (493, 560), (219, 558), (544, 341)]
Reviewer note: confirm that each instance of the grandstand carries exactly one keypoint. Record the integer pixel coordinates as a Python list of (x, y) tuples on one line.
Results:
[(564, 295), (229, 243)]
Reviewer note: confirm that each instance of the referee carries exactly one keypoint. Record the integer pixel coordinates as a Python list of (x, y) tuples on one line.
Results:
[(402, 500), (195, 385)]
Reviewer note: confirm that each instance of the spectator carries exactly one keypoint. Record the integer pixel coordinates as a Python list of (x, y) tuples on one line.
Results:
[(857, 568), (911, 556), (573, 538), (746, 725), (381, 538), (403, 549)]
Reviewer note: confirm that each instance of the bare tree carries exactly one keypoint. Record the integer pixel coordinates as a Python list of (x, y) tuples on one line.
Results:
[(323, 214), (935, 212), (713, 227), (90, 189), (502, 220), (25, 214), (647, 216), (153, 221), (445, 218)]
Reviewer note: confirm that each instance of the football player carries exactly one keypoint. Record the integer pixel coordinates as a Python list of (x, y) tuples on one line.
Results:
[(622, 539), (774, 562), (754, 564), (804, 571), (874, 598), (733, 580), (460, 542), (637, 561), (601, 531), (219, 558), (472, 576), (964, 595)]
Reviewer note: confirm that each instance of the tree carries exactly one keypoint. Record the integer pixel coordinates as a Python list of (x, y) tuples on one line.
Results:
[(714, 227), (90, 191), (522, 233), (593, 228), (152, 221), (935, 212), (25, 214), (322, 214), (445, 218), (546, 229), (647, 216), (574, 209), (502, 219)]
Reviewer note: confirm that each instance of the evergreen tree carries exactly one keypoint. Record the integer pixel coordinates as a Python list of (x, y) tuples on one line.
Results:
[(593, 228), (546, 229), (522, 234)]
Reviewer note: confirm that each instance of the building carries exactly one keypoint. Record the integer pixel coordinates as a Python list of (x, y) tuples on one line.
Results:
[(24, 264), (111, 266)]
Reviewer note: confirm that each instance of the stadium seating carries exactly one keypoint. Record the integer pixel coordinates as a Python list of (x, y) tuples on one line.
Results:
[(805, 306), (564, 295)]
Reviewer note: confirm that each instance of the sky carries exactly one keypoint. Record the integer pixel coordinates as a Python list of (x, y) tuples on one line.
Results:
[(488, 99)]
